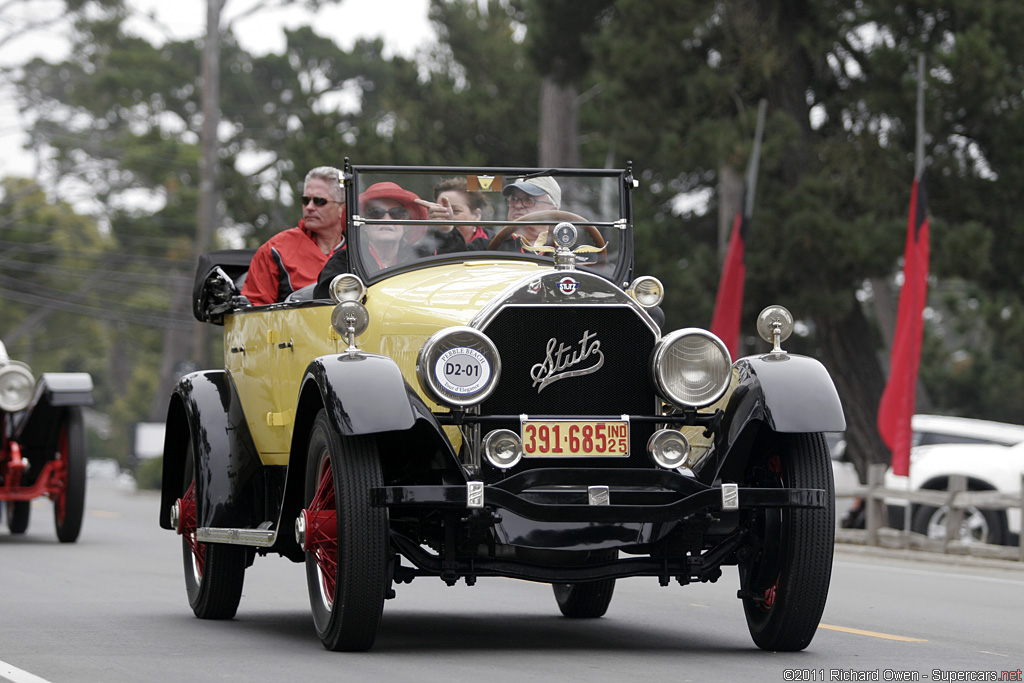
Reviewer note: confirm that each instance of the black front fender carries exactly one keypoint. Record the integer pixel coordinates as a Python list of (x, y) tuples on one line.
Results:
[(789, 393), (363, 394), (37, 427), (367, 394), (779, 392)]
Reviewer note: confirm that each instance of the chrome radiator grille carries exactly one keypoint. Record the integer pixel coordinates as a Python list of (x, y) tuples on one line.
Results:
[(528, 339)]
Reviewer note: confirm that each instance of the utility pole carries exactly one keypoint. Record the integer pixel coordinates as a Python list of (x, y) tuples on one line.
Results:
[(186, 349), (208, 214)]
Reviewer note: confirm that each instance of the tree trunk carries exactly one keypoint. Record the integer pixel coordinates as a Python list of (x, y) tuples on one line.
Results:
[(854, 367), (177, 343), (559, 128)]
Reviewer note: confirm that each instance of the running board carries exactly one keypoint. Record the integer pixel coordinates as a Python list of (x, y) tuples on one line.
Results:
[(263, 538)]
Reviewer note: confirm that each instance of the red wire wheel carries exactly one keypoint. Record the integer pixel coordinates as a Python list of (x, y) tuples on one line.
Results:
[(214, 572), (345, 537), (69, 474), (785, 579)]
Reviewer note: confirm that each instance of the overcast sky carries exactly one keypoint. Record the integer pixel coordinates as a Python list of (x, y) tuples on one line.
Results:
[(401, 23)]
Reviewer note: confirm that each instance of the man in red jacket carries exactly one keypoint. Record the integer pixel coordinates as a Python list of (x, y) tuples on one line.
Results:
[(293, 258)]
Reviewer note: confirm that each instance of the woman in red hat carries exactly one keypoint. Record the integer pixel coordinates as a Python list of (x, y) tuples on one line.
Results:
[(383, 245), (386, 243)]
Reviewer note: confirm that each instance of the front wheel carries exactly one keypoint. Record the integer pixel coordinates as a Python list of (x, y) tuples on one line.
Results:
[(785, 577), (588, 600), (344, 537), (18, 514), (69, 502), (214, 572)]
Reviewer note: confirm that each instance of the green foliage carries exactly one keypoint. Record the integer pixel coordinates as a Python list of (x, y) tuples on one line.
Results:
[(150, 474)]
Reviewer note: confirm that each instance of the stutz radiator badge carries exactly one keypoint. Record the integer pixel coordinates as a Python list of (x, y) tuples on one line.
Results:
[(561, 361), (568, 285)]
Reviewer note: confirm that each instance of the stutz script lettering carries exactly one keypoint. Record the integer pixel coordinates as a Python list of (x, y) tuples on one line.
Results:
[(561, 360)]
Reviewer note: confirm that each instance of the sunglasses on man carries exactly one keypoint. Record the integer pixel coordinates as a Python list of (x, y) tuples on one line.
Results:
[(396, 212), (318, 201)]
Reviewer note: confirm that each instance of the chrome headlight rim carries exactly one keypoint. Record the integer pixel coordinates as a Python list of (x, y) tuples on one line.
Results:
[(474, 378), (347, 287), (491, 447), (664, 384), (659, 445), (647, 291), (17, 385)]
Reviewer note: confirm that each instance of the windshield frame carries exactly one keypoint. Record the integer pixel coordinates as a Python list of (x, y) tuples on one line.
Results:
[(358, 177)]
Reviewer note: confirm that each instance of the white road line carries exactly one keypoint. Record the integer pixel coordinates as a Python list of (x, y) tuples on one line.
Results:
[(16, 675)]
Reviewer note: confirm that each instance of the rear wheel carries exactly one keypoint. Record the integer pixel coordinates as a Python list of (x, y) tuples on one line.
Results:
[(69, 502), (214, 572), (588, 600), (18, 514), (345, 538), (785, 579)]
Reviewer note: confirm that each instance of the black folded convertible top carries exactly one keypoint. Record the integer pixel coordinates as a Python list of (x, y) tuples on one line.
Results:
[(234, 262)]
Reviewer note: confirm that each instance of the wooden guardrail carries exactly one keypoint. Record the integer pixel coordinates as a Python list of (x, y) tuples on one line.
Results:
[(957, 497)]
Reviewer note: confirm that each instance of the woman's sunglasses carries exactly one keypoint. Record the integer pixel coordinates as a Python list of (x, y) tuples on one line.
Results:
[(318, 201), (396, 212)]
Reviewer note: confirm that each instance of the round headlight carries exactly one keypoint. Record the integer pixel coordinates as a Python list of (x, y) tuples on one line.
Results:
[(347, 287), (647, 291), (503, 448), (691, 368), (669, 448), (16, 386), (458, 366)]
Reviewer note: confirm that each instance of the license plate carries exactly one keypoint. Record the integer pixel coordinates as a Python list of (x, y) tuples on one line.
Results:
[(575, 438)]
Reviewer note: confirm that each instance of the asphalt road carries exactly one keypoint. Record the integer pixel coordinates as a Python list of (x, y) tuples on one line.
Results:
[(112, 608)]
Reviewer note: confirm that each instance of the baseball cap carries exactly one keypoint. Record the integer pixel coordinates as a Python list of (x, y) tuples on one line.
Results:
[(536, 187)]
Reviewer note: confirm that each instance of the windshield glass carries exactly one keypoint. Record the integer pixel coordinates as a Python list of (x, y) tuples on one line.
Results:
[(403, 217)]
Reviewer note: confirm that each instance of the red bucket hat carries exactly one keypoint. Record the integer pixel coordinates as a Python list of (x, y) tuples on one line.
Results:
[(395, 192)]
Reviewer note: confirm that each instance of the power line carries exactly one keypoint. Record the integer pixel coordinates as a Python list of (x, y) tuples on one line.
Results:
[(11, 248), (105, 274), (119, 313)]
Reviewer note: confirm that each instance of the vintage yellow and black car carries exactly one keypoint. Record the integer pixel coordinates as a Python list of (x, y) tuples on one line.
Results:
[(499, 403)]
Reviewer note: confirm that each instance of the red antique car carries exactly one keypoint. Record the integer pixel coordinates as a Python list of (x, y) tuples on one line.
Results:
[(42, 444)]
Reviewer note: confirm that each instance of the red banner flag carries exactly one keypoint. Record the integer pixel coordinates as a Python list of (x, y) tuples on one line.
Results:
[(898, 399), (725, 323)]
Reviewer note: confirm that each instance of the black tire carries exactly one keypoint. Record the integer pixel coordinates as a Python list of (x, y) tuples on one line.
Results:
[(214, 572), (785, 582), (979, 526), (69, 505), (18, 514), (346, 568), (588, 600)]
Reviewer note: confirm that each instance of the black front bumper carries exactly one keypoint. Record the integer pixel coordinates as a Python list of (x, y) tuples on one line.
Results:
[(634, 496)]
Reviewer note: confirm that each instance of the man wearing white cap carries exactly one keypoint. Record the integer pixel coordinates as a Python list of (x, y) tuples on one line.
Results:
[(529, 195)]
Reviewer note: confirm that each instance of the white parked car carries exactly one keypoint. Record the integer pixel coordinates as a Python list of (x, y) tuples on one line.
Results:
[(989, 454), (935, 429)]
